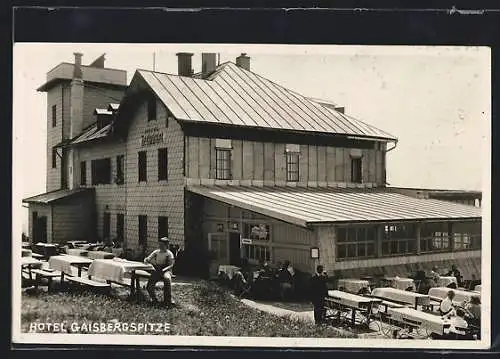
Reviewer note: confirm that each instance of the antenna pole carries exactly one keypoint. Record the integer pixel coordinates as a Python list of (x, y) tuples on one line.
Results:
[(154, 62)]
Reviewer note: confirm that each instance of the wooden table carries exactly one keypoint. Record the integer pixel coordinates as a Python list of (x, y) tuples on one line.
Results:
[(413, 318), (63, 263), (353, 285), (230, 270), (26, 252), (401, 296), (401, 283), (100, 255), (77, 252), (444, 281), (46, 249), (460, 295), (338, 300), (30, 263), (114, 271)]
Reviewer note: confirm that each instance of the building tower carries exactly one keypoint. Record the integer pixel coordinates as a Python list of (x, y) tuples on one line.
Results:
[(74, 91)]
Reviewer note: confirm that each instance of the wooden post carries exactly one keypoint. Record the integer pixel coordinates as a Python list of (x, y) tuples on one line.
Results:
[(450, 236), (419, 225), (378, 241)]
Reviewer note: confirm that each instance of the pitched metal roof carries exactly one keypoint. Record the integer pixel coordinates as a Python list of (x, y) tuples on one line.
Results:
[(49, 197), (92, 133), (235, 96), (305, 206)]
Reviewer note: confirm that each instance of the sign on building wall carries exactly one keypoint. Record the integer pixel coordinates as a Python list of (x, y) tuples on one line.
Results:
[(151, 136)]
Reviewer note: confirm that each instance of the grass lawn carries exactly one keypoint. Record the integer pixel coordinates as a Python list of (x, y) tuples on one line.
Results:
[(203, 308)]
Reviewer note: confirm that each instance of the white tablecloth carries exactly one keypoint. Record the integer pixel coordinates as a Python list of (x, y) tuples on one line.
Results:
[(77, 252), (30, 261), (353, 285), (115, 269), (460, 295), (100, 255), (445, 281), (401, 283), (401, 296), (64, 263), (229, 270)]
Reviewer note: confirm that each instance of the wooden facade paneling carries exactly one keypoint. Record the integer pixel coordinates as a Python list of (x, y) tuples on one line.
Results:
[(257, 163)]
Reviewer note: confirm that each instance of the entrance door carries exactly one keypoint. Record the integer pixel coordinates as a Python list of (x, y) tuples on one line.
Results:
[(234, 248), (41, 229), (34, 225)]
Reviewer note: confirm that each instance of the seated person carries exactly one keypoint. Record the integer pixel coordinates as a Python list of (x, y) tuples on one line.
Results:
[(162, 260), (240, 284), (435, 276), (455, 272), (446, 308), (474, 309)]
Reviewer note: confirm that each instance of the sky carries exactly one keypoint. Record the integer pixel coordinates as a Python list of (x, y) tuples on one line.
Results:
[(435, 100)]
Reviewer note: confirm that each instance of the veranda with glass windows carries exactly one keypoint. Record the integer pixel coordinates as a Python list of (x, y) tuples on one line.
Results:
[(361, 241)]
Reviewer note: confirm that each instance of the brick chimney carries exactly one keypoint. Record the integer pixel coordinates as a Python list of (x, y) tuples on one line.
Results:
[(77, 69), (243, 61), (184, 63), (208, 63)]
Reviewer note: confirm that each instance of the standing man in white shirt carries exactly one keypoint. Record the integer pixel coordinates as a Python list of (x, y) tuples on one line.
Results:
[(162, 260), (446, 308)]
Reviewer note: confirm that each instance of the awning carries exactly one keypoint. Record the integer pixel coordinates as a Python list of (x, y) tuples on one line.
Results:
[(306, 206), (53, 196)]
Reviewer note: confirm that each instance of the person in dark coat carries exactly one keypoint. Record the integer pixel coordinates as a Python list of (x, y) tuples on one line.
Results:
[(319, 291), (456, 273)]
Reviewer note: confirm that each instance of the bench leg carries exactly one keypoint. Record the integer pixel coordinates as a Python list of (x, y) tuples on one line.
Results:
[(79, 271), (49, 284)]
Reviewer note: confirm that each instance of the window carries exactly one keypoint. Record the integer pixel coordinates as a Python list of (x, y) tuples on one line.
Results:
[(143, 230), (152, 108), (54, 157), (120, 226), (143, 174), (83, 173), (101, 171), (120, 178), (399, 239), (106, 226), (258, 253), (256, 231), (162, 164), (54, 115), (434, 237), (292, 166), (162, 227), (466, 235), (222, 164), (356, 174), (356, 242)]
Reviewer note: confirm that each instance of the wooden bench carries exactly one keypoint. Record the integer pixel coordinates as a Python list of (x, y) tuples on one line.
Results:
[(49, 275), (89, 283), (37, 256)]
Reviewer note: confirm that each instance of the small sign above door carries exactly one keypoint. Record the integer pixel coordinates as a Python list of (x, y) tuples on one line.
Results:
[(246, 241)]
